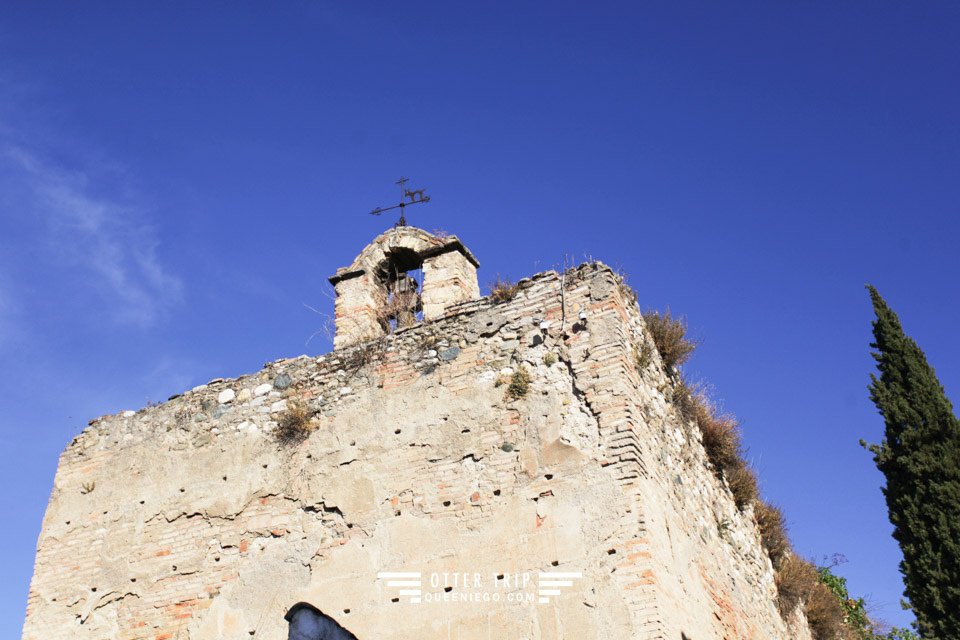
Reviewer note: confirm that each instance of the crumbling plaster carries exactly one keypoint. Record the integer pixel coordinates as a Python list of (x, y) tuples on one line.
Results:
[(188, 520)]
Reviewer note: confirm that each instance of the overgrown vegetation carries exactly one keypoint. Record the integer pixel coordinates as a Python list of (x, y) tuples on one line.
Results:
[(920, 459), (721, 441), (854, 609), (796, 578), (294, 425), (720, 432), (773, 532), (502, 290), (519, 384), (831, 612), (799, 585), (825, 614), (550, 359), (669, 335)]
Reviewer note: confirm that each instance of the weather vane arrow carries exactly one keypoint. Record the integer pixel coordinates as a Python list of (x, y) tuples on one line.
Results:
[(407, 198)]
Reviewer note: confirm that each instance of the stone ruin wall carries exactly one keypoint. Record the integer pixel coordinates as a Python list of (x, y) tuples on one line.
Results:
[(187, 520)]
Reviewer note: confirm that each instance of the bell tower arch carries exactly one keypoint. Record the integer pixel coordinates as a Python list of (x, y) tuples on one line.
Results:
[(377, 295)]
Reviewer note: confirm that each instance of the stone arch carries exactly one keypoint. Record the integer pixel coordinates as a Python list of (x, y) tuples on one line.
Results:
[(306, 622), (395, 240), (374, 293)]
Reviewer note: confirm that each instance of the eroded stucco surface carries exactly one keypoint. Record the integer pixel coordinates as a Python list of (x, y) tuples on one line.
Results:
[(188, 519)]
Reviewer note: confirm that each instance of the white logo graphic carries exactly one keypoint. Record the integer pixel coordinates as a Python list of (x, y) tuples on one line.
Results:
[(408, 580), (548, 582), (477, 588)]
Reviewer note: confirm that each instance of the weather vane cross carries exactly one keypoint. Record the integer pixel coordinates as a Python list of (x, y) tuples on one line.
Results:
[(407, 198)]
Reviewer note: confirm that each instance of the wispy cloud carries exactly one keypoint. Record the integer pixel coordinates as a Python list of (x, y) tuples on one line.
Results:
[(109, 240)]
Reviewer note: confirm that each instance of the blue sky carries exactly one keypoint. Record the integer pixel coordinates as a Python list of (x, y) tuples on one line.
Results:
[(177, 181)]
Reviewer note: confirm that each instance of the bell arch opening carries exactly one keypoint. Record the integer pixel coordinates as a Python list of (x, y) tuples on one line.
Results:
[(400, 275)]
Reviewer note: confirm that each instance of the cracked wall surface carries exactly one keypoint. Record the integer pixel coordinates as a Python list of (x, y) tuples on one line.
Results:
[(188, 519)]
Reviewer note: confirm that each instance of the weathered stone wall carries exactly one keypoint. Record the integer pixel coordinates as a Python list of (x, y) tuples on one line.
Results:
[(357, 310), (188, 520), (448, 279)]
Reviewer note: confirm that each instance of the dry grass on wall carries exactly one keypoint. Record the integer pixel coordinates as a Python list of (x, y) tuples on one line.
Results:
[(721, 440), (743, 483), (795, 581), (825, 615), (773, 532), (669, 334), (799, 585), (293, 426), (502, 290)]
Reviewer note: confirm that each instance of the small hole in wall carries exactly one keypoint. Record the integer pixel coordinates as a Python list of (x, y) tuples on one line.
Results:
[(397, 431), (353, 443), (216, 559), (142, 501), (182, 490), (349, 525), (68, 522), (224, 478), (264, 466), (610, 552), (133, 579), (465, 431), (346, 610), (446, 503), (448, 589), (500, 577), (394, 599), (554, 563), (174, 567), (94, 589), (549, 476), (397, 513), (496, 492), (105, 512)]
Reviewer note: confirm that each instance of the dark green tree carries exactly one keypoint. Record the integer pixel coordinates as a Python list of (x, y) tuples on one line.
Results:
[(920, 457)]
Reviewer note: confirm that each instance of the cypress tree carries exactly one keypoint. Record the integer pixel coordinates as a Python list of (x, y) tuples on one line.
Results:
[(920, 457)]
